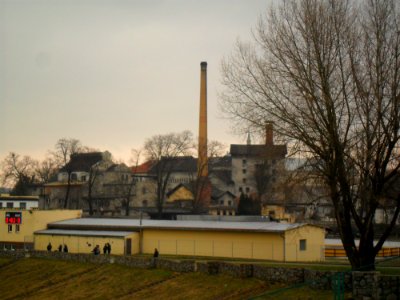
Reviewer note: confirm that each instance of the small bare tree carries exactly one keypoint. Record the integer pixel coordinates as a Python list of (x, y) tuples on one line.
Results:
[(327, 73), (45, 169), (64, 148), (162, 150), (18, 171)]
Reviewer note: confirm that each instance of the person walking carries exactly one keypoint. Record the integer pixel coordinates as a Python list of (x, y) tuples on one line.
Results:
[(155, 255), (96, 250), (60, 248), (65, 248), (49, 247)]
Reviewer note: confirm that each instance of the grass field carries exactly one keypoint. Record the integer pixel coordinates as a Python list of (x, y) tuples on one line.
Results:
[(51, 279)]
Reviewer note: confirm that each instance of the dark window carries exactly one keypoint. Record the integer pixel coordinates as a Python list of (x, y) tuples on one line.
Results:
[(22, 205), (221, 202), (1, 204), (17, 228), (303, 245), (244, 162), (244, 180), (74, 176), (240, 189), (244, 171), (229, 202), (10, 205), (83, 178), (9, 228), (247, 189), (144, 203)]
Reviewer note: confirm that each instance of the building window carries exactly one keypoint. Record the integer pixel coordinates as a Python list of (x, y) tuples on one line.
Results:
[(244, 171), (144, 190), (240, 189), (244, 180), (16, 228), (229, 202), (1, 204), (247, 190), (221, 202), (74, 176), (83, 178), (10, 205), (144, 203), (22, 205), (244, 162), (9, 228), (303, 245)]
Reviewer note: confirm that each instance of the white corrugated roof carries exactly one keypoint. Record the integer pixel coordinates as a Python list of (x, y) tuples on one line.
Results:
[(212, 225), (83, 232)]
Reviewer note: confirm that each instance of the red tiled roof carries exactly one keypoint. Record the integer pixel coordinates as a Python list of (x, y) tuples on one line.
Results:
[(143, 168)]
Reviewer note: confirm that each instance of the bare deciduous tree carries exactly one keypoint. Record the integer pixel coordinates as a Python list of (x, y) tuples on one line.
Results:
[(64, 148), (162, 150), (17, 170), (327, 73), (45, 169)]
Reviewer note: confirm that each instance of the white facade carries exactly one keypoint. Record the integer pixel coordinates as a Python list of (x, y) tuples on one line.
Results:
[(19, 202)]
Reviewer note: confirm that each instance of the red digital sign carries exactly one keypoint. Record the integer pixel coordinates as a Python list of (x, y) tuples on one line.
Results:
[(13, 218)]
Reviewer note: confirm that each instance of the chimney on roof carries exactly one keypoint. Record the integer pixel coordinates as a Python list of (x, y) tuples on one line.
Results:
[(202, 165), (269, 134)]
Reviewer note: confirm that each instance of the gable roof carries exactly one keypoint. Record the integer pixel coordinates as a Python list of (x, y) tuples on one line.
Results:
[(82, 162), (177, 164), (177, 187), (217, 193), (143, 168)]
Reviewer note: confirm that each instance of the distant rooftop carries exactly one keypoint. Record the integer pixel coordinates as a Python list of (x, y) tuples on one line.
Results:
[(263, 151)]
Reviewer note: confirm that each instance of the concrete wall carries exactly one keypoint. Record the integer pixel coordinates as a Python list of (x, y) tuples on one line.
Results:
[(32, 221)]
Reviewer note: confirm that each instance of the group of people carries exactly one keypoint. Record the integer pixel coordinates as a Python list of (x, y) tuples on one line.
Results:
[(60, 248), (106, 249)]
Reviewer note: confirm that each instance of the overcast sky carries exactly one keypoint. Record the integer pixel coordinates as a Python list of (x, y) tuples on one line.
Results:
[(113, 73)]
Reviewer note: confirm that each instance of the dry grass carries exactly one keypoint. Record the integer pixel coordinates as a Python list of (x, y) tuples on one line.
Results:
[(52, 279)]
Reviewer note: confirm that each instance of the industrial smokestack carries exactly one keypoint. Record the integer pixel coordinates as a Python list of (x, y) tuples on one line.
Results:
[(202, 165), (269, 134)]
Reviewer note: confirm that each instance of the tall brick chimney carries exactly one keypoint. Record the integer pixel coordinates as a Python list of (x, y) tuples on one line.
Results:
[(202, 165), (269, 134)]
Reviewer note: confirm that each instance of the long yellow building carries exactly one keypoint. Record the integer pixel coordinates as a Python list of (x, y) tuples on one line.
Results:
[(252, 240)]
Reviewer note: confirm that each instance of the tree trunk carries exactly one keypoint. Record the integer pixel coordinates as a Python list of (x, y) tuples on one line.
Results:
[(66, 200)]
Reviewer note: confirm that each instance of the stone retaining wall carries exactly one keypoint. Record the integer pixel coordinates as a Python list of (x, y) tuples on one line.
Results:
[(364, 285)]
